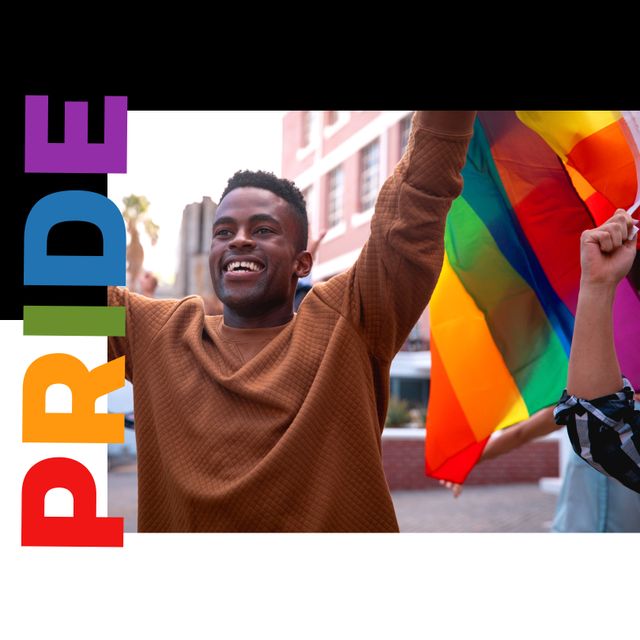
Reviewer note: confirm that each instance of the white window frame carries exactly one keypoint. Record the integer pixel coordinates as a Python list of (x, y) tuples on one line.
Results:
[(364, 217), (402, 121), (343, 118), (340, 210), (314, 138), (372, 170)]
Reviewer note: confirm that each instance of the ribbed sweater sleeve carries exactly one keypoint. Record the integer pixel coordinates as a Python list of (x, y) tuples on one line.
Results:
[(390, 284)]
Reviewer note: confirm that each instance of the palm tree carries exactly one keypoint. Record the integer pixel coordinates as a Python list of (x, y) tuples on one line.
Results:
[(136, 211)]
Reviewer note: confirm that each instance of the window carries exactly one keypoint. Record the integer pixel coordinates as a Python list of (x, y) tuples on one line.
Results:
[(332, 117), (335, 190), (369, 175), (333, 121), (415, 391), (308, 128), (405, 130), (308, 198)]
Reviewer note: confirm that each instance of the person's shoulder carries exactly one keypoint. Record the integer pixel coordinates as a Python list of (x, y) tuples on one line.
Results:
[(328, 292)]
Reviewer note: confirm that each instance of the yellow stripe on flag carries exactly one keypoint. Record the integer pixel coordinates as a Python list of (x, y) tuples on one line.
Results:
[(476, 370), (562, 130)]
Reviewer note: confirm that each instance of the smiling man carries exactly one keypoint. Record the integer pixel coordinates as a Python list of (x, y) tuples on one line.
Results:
[(258, 249), (266, 420)]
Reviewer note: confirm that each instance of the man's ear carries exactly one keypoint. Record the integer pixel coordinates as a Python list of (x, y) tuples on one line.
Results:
[(303, 264)]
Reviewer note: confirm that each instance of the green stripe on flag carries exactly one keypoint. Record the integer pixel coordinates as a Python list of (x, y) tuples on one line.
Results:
[(517, 322)]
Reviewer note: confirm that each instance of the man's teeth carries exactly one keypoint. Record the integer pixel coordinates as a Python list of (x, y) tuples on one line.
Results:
[(248, 266)]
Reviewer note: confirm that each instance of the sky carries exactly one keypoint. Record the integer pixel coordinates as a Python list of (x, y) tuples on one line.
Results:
[(175, 158)]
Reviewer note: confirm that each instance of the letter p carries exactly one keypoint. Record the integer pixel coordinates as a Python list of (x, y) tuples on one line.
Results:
[(84, 529)]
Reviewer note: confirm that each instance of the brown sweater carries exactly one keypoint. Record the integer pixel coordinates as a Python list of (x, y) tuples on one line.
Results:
[(279, 429)]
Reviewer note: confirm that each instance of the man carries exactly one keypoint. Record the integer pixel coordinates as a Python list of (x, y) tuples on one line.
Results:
[(259, 420), (603, 427)]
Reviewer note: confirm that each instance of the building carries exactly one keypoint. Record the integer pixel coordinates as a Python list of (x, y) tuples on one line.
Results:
[(193, 275), (195, 240), (340, 159)]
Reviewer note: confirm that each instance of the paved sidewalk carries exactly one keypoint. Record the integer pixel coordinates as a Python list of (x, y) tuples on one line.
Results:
[(484, 508), (491, 508), (123, 495)]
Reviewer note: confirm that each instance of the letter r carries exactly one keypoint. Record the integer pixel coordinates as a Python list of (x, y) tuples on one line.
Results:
[(82, 424)]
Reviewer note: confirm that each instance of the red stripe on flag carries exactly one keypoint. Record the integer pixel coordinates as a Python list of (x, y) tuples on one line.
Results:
[(457, 468), (601, 209), (546, 204), (443, 457)]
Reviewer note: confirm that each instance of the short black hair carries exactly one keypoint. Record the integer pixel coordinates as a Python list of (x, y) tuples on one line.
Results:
[(282, 187)]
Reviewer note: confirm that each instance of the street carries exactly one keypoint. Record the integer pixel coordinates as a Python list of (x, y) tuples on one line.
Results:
[(485, 508)]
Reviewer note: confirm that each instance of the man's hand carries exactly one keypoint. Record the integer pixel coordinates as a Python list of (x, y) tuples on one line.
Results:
[(607, 252)]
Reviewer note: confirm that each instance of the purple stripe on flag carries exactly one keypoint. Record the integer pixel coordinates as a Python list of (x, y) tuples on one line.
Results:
[(626, 324)]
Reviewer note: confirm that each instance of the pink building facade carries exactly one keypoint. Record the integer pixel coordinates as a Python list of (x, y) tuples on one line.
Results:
[(339, 160)]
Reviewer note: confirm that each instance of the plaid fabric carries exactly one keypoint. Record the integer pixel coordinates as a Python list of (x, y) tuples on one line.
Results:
[(605, 432)]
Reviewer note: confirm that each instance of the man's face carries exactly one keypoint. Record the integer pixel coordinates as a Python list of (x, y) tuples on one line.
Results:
[(253, 261)]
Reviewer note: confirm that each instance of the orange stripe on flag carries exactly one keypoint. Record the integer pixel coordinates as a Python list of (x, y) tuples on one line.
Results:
[(452, 431), (607, 163), (460, 328), (599, 207), (582, 187)]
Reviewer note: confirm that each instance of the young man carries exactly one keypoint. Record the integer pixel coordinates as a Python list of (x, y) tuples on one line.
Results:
[(259, 420), (603, 427)]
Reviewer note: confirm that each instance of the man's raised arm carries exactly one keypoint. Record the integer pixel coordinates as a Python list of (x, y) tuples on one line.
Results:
[(390, 284)]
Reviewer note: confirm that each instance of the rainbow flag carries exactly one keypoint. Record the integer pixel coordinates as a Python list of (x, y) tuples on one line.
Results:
[(502, 313)]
